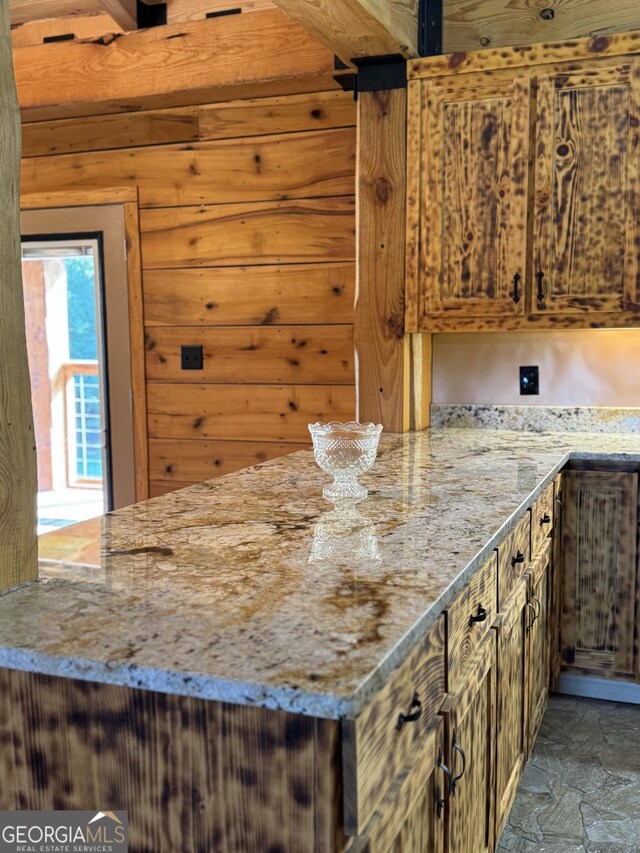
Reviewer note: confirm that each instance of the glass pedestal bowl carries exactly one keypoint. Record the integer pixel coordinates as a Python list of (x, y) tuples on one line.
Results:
[(345, 450)]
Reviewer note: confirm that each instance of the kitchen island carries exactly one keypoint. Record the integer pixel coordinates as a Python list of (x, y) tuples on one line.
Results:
[(208, 673)]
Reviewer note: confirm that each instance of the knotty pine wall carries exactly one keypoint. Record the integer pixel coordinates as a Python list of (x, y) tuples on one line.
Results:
[(248, 248)]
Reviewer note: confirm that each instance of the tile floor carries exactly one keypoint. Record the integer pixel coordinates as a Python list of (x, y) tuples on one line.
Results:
[(580, 791)]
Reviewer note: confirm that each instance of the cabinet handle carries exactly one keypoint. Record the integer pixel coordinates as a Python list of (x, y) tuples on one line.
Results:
[(540, 276), (456, 746), (481, 616), (442, 766), (516, 294), (531, 624), (412, 716), (546, 519), (537, 601), (519, 558)]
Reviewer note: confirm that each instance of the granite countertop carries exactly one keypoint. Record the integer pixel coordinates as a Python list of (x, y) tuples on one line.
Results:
[(244, 589)]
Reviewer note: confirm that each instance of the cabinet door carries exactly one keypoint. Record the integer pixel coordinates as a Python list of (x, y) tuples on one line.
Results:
[(599, 528), (538, 652), (587, 218), (555, 585), (512, 703), (410, 820), (423, 829), (474, 183), (470, 731)]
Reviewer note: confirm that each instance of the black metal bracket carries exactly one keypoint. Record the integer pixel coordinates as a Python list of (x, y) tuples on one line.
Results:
[(429, 27), (150, 16), (381, 73)]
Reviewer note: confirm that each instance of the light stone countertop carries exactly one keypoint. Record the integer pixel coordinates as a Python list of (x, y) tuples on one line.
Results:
[(210, 591)]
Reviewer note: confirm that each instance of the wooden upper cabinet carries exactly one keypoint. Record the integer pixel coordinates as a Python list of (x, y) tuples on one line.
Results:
[(473, 191), (586, 213)]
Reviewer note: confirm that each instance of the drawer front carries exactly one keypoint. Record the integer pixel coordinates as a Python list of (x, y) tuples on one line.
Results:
[(514, 555), (385, 741), (469, 619), (541, 520)]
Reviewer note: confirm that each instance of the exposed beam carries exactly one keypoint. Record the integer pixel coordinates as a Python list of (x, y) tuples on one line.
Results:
[(355, 29), (176, 64), (123, 13), (18, 488)]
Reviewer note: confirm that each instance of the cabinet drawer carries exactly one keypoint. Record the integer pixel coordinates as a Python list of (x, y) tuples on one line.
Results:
[(541, 520), (513, 558), (378, 747), (469, 619)]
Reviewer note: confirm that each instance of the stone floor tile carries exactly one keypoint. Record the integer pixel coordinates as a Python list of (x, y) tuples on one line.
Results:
[(580, 790)]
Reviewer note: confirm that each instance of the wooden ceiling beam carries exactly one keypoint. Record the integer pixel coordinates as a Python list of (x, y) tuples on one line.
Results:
[(123, 13), (177, 64), (354, 29), (36, 10)]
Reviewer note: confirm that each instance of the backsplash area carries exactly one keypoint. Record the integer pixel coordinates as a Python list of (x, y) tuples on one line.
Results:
[(537, 418), (577, 368)]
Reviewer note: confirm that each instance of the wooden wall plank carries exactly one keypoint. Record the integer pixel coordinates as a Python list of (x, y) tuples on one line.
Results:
[(183, 59), (157, 488), (172, 460), (383, 373), (257, 116), (469, 25), (307, 231), (249, 117), (18, 484), (303, 165), (256, 412), (96, 133), (250, 296), (272, 355)]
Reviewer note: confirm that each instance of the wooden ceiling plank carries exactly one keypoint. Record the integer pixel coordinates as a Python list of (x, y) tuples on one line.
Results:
[(35, 10), (354, 29)]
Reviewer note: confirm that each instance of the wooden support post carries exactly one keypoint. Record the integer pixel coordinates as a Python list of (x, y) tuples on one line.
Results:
[(390, 366), (18, 539), (123, 13)]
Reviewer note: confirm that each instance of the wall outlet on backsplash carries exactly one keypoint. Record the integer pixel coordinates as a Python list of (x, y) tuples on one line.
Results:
[(529, 380)]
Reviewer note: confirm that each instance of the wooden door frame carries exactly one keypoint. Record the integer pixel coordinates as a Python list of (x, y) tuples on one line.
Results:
[(127, 198)]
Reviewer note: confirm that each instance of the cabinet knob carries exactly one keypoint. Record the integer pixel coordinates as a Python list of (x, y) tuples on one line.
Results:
[(519, 558), (540, 294), (516, 294), (480, 616), (412, 716), (546, 519)]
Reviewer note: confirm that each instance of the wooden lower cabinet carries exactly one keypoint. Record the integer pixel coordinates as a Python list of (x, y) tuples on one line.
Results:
[(512, 700), (599, 544), (470, 730), (420, 827), (538, 645)]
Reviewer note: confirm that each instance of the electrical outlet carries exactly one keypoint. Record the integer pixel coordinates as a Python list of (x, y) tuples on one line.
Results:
[(529, 380), (191, 357)]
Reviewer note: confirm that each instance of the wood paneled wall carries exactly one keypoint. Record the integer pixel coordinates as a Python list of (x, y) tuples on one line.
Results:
[(247, 220)]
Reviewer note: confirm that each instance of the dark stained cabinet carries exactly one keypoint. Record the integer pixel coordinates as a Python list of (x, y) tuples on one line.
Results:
[(587, 211), (599, 532)]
